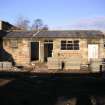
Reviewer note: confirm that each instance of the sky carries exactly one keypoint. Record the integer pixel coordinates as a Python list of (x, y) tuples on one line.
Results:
[(57, 14)]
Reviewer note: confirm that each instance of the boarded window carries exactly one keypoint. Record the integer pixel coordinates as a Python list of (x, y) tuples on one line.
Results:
[(70, 45), (14, 43)]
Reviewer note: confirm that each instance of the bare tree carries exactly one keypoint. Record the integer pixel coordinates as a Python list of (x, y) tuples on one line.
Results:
[(22, 23), (45, 27), (37, 25)]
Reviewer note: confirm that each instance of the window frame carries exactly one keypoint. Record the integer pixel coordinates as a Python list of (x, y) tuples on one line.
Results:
[(70, 45), (14, 43)]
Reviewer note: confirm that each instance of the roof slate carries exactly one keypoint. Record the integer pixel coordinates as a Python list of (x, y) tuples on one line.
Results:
[(19, 34), (71, 33), (55, 34)]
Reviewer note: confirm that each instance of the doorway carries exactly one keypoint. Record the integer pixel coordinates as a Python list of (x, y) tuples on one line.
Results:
[(48, 47), (92, 51), (34, 51)]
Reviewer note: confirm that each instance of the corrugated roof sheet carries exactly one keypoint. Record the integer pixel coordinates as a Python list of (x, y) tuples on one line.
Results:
[(55, 34)]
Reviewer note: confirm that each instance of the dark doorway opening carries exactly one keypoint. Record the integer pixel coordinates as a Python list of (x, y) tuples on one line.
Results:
[(48, 47), (34, 51)]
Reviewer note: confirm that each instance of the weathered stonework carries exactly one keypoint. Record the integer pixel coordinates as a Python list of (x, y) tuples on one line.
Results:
[(19, 46), (73, 59), (20, 54)]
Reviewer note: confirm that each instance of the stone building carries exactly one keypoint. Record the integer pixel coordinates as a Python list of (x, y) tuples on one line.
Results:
[(72, 50)]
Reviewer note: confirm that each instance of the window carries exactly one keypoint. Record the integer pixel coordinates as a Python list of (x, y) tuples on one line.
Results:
[(48, 41), (70, 45), (14, 43)]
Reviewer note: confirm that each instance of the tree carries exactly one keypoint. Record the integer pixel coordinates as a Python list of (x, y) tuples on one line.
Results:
[(23, 23), (45, 27), (37, 25)]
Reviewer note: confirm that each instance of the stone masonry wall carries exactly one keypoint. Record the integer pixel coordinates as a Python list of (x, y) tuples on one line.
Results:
[(73, 57), (21, 54)]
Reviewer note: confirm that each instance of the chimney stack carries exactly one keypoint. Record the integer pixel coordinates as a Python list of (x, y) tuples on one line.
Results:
[(5, 25)]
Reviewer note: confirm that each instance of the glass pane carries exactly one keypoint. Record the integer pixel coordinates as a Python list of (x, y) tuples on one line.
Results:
[(46, 41), (69, 46), (69, 41), (50, 40), (76, 41), (76, 47), (63, 46), (64, 41)]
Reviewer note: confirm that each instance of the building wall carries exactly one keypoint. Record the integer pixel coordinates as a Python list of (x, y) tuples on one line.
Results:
[(21, 53), (72, 58)]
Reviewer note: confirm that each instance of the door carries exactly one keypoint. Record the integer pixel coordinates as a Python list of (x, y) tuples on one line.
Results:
[(47, 51), (92, 51), (34, 51)]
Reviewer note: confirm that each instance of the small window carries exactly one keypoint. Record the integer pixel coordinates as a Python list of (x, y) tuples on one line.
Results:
[(14, 43), (69, 41), (63, 42), (76, 41), (48, 41)]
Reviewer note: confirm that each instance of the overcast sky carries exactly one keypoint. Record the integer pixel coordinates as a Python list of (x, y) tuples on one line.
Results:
[(58, 14)]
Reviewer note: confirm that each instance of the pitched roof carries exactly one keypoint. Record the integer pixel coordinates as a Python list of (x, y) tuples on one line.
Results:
[(20, 34), (70, 33), (56, 34)]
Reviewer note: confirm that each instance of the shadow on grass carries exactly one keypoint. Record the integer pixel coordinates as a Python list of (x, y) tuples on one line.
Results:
[(47, 91)]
